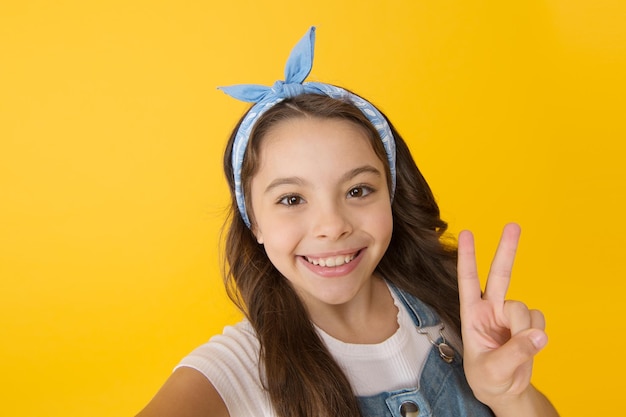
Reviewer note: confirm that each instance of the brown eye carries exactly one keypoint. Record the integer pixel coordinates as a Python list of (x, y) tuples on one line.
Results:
[(291, 200), (360, 191)]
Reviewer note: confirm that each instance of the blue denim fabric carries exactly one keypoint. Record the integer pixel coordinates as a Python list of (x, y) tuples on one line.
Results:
[(443, 391)]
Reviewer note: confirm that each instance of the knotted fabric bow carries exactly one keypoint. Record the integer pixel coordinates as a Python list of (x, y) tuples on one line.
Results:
[(297, 69)]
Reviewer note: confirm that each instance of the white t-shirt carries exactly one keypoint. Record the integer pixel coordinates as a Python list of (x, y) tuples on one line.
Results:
[(230, 361)]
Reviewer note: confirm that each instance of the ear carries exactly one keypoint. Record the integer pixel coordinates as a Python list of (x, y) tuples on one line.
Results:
[(257, 234)]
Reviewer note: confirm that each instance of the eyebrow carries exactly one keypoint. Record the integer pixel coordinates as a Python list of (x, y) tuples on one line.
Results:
[(284, 181), (365, 169)]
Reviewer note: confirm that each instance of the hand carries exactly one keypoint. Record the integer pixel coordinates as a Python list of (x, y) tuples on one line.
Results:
[(500, 337)]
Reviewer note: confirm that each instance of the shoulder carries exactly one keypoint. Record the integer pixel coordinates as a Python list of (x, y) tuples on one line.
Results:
[(219, 378), (230, 363), (235, 352), (238, 342)]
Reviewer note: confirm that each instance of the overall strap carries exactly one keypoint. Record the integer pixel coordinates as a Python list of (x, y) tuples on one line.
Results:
[(421, 314)]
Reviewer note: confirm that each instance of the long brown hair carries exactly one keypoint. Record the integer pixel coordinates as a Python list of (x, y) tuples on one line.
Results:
[(299, 373)]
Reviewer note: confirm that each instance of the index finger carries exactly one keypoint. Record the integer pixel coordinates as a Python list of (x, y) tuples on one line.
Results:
[(469, 284)]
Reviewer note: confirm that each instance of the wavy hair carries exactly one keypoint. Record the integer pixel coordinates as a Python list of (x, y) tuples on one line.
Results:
[(299, 373)]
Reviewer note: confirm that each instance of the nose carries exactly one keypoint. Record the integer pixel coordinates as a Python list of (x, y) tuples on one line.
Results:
[(332, 222)]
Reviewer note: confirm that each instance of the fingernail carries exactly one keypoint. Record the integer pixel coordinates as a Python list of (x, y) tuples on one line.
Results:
[(538, 339)]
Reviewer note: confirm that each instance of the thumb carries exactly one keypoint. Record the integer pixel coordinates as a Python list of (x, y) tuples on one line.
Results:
[(521, 348), (508, 368)]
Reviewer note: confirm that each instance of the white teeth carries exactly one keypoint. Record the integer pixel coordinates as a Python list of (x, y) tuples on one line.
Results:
[(331, 261)]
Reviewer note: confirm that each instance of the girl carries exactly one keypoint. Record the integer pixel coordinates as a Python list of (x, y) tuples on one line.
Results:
[(335, 253)]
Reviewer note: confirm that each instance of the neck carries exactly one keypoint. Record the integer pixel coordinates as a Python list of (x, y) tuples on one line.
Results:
[(370, 317)]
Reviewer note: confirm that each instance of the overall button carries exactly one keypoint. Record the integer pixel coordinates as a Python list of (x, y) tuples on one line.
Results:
[(409, 409)]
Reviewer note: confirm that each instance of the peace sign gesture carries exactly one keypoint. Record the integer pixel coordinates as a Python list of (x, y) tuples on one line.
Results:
[(500, 337)]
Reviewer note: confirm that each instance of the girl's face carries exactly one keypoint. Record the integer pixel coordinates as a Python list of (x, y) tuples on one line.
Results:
[(321, 208)]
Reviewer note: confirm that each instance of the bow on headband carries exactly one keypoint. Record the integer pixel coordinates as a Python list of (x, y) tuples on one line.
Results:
[(297, 69)]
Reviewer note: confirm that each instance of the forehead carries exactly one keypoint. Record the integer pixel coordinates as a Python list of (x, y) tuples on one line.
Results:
[(318, 152), (304, 141), (310, 136)]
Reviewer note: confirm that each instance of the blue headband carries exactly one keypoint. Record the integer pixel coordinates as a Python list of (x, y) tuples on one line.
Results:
[(297, 69)]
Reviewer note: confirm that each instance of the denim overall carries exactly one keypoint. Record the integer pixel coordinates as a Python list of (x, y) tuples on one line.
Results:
[(443, 391)]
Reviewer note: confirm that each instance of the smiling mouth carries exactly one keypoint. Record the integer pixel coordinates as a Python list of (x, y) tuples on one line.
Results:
[(332, 261)]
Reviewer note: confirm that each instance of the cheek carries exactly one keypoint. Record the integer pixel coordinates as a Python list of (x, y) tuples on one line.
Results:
[(382, 228), (280, 236), (382, 223), (281, 248)]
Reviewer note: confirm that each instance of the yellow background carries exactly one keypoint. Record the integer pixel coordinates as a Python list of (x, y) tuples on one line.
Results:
[(112, 197)]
